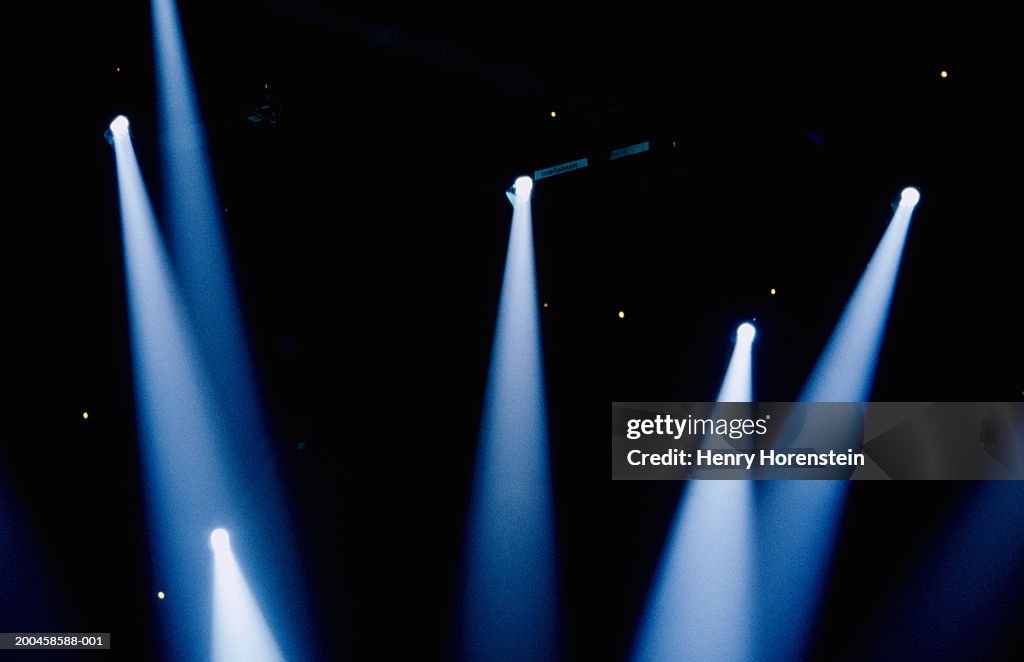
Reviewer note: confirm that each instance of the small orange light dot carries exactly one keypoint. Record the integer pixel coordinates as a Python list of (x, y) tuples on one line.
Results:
[(622, 314), (545, 304), (85, 415), (117, 69), (773, 291), (943, 74), (554, 114)]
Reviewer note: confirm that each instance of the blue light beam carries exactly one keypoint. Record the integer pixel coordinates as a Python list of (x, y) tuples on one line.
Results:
[(799, 520), (700, 606), (795, 534), (199, 248), (509, 600), (240, 632), (737, 385), (846, 369), (178, 430), (203, 265)]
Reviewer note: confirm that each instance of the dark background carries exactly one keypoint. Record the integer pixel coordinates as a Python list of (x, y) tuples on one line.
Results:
[(368, 228)]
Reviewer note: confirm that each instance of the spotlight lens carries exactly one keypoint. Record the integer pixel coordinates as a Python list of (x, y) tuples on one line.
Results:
[(910, 196), (219, 540), (119, 127), (523, 186), (745, 332)]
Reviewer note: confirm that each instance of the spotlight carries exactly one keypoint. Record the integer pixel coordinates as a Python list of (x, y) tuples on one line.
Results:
[(713, 535), (910, 196), (737, 383), (240, 629), (846, 367), (219, 540), (523, 187), (119, 127), (508, 595)]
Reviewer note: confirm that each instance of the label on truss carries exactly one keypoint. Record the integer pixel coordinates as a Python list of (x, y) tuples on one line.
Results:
[(638, 148), (571, 166), (818, 440)]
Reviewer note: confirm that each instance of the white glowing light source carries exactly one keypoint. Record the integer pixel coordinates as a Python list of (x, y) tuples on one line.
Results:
[(119, 127), (745, 332), (219, 540), (523, 187), (910, 196)]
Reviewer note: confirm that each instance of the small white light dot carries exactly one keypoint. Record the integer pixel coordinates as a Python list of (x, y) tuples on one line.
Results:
[(160, 595)]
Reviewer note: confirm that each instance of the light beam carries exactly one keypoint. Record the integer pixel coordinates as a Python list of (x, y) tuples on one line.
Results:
[(178, 430), (700, 605), (509, 601), (202, 260), (800, 519), (737, 385), (240, 631), (846, 368)]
